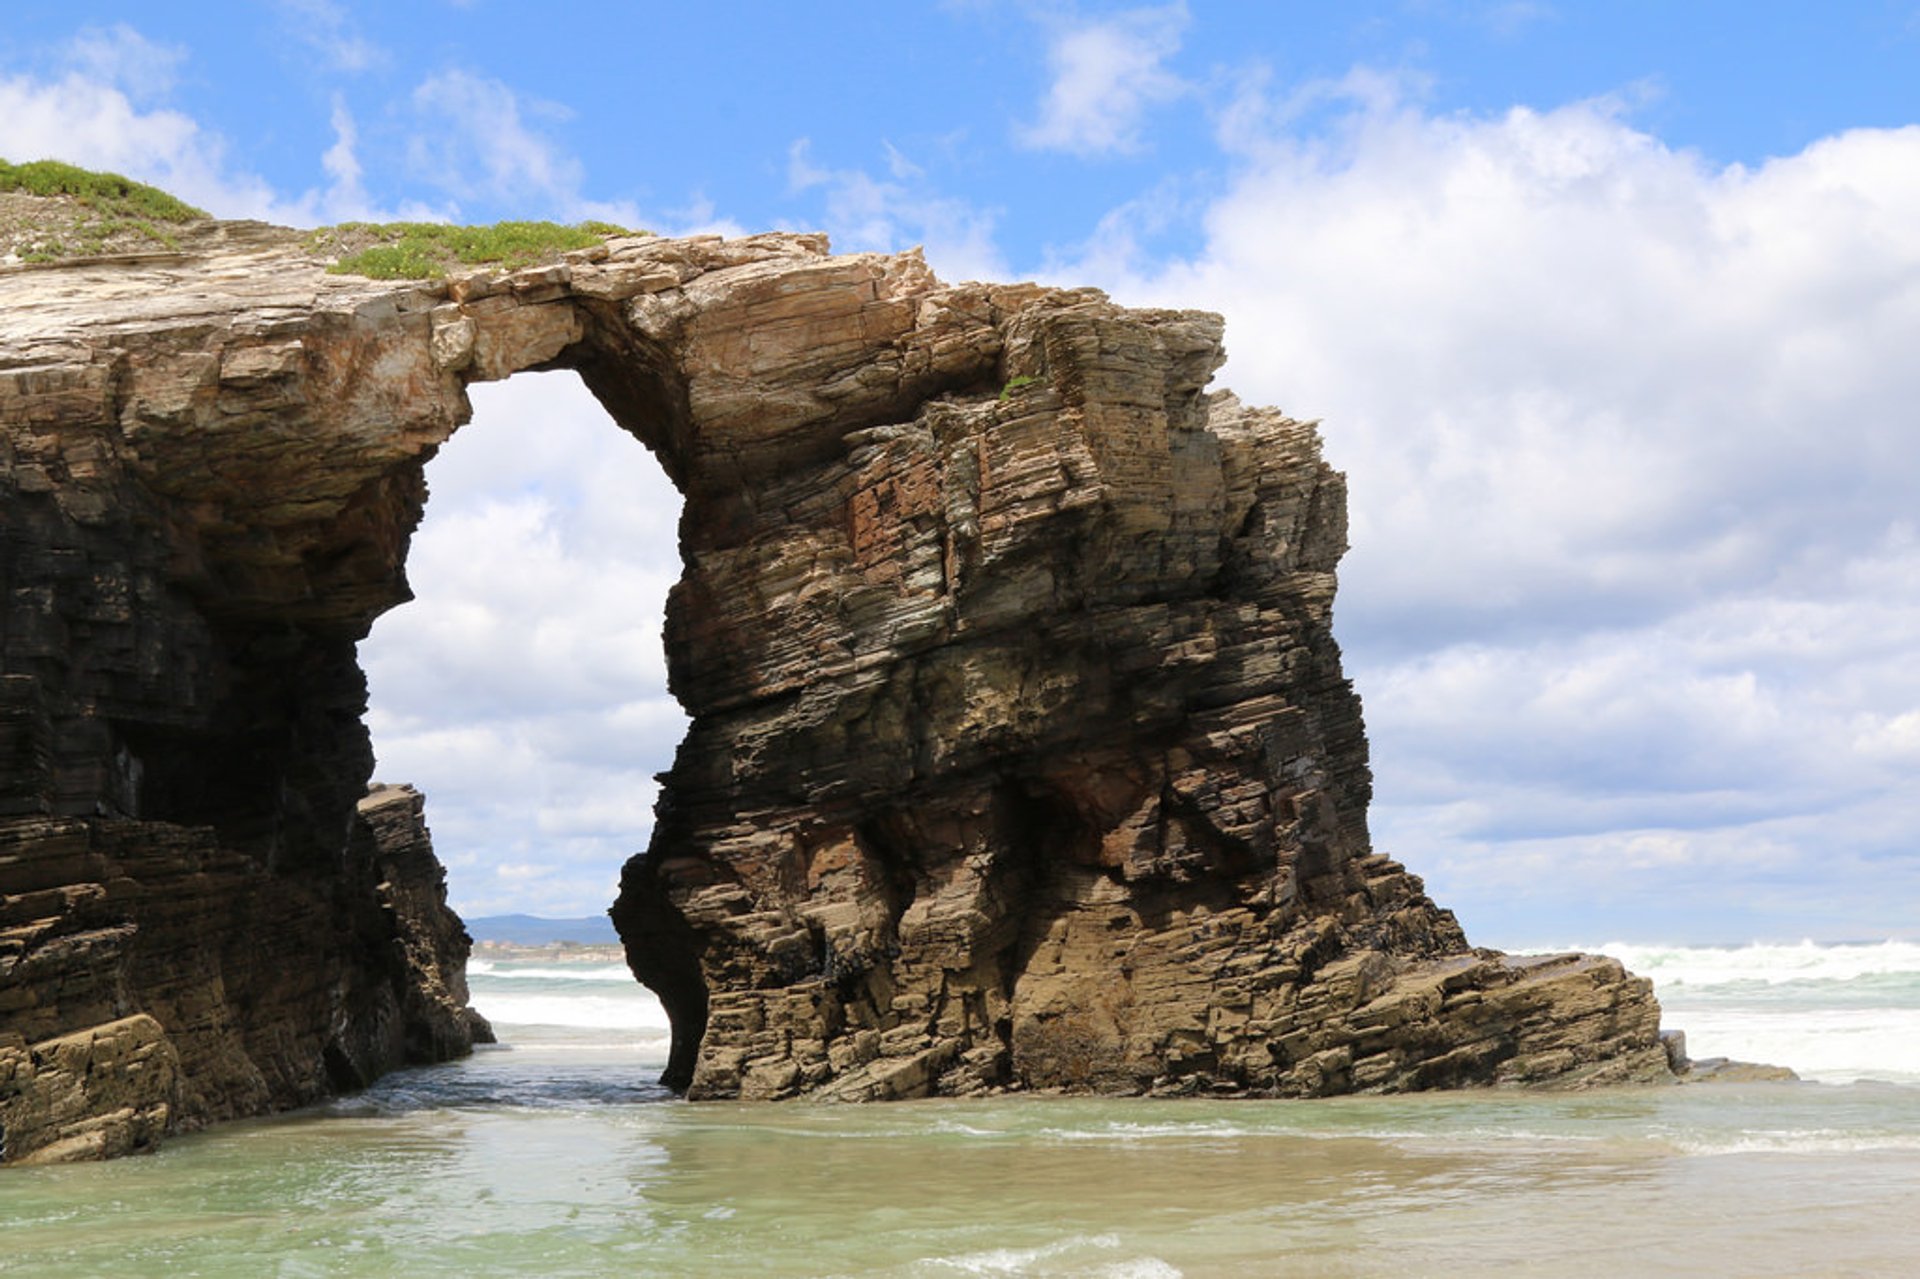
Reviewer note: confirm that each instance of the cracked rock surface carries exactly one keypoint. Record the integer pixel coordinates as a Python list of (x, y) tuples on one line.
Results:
[(1020, 755)]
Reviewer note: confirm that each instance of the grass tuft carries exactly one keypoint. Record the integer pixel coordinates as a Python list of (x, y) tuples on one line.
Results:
[(425, 250), (119, 214), (108, 194)]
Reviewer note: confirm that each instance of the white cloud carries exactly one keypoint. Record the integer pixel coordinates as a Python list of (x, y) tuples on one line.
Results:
[(1893, 737), (345, 198), (865, 214), (899, 166), (481, 138), (340, 160), (697, 216), (120, 56), (1107, 74), (327, 29), (1634, 588)]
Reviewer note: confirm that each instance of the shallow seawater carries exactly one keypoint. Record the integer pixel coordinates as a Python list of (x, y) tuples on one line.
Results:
[(563, 1161), (557, 1155)]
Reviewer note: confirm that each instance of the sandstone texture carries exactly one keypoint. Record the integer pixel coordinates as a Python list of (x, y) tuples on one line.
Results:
[(1021, 756)]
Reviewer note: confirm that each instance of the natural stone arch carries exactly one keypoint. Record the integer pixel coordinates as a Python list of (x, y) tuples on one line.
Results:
[(1020, 752)]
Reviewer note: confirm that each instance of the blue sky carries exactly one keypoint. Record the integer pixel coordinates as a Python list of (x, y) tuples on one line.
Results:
[(1608, 311)]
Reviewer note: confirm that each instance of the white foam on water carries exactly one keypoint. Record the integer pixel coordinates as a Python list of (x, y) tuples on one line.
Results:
[(563, 1042), (1218, 1130), (957, 1128), (1797, 1141), (1025, 1261), (636, 1011), (1133, 1132), (1766, 963), (1828, 1045), (1833, 1013), (549, 972)]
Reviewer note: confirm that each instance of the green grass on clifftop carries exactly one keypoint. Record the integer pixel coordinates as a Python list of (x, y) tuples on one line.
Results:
[(109, 194), (115, 214), (90, 214), (425, 250)]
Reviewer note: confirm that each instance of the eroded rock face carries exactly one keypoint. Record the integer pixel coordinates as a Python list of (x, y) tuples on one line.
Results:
[(1020, 756), (154, 978)]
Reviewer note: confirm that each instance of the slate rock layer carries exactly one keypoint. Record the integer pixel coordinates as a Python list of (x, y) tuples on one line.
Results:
[(1020, 756)]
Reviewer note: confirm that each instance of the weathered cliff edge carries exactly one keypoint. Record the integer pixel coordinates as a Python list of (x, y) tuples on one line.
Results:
[(1020, 756)]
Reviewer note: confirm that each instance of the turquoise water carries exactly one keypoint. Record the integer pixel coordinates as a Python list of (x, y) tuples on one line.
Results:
[(557, 1156)]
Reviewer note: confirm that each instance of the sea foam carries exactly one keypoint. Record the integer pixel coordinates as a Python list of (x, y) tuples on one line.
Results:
[(506, 970), (1772, 964), (1835, 1013), (597, 1012)]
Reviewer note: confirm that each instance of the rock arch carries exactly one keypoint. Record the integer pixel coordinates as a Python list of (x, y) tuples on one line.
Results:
[(1020, 757)]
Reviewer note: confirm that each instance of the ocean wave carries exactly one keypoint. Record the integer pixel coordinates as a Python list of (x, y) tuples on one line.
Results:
[(507, 970), (636, 1011), (1765, 963), (576, 1042), (1826, 1045)]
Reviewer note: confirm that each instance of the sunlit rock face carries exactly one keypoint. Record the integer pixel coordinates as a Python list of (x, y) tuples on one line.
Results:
[(1021, 755)]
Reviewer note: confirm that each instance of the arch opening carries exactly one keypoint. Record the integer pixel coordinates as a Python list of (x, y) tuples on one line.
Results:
[(523, 689)]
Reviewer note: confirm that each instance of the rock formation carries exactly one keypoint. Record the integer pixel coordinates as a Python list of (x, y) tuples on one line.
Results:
[(156, 978), (1020, 757)]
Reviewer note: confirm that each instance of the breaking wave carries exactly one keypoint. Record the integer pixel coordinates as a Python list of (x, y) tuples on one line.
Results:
[(1835, 1013)]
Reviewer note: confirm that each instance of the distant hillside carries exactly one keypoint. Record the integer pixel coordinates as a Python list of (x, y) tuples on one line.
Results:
[(531, 930)]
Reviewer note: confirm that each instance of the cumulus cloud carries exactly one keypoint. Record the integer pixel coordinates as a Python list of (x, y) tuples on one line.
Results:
[(1634, 579), (524, 689), (1107, 74), (863, 213)]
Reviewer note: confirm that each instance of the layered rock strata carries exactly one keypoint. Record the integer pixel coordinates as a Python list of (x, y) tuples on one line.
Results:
[(152, 977), (1021, 756)]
